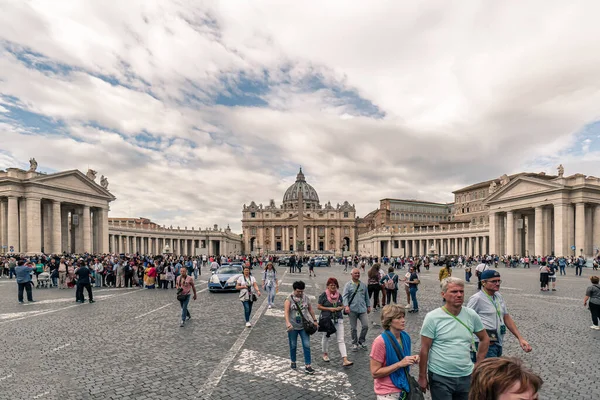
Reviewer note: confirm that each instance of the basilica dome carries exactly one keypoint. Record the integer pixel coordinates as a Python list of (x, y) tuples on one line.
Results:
[(309, 194)]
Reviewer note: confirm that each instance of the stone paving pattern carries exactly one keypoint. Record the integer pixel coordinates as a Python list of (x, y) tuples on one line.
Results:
[(57, 349)]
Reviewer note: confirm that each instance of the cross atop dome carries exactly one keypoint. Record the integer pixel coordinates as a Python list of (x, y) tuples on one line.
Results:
[(300, 176)]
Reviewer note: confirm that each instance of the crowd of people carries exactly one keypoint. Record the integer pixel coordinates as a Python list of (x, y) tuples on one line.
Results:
[(457, 342)]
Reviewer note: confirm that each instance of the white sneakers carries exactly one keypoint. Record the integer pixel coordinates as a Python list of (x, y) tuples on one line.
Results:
[(595, 327), (408, 306), (269, 307), (248, 325)]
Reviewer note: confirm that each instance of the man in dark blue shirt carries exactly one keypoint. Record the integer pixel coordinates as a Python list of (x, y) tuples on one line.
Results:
[(23, 272), (83, 281)]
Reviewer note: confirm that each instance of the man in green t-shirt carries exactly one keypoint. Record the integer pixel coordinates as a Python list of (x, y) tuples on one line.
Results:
[(445, 364)]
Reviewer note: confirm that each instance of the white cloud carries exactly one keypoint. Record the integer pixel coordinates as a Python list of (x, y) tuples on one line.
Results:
[(464, 91)]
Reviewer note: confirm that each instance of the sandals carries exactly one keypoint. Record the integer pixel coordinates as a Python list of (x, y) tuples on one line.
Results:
[(326, 358), (347, 364)]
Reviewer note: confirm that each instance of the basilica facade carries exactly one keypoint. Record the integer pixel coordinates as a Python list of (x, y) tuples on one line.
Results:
[(300, 224)]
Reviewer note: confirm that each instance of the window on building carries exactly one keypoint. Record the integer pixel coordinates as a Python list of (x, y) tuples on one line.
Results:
[(253, 215), (331, 215), (396, 244), (345, 214), (290, 215), (253, 230), (308, 215)]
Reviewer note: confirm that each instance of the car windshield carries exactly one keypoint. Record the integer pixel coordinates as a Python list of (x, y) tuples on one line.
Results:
[(229, 270)]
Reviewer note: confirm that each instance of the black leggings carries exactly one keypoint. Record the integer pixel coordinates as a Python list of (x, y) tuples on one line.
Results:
[(374, 289), (595, 310)]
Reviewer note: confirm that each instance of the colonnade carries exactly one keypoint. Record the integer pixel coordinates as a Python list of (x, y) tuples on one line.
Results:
[(559, 228), (34, 225)]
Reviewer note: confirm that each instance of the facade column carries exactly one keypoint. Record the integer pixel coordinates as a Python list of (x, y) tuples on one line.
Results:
[(102, 220), (414, 248), (3, 226), (22, 226), (493, 235), (510, 233), (579, 229), (12, 221), (87, 226), (485, 246), (34, 225), (465, 241), (56, 227), (596, 229), (539, 232), (112, 244), (561, 245)]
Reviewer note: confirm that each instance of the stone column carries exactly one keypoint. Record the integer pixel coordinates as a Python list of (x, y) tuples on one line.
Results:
[(493, 227), (3, 226), (547, 230), (510, 233), (12, 221), (561, 247), (56, 227), (414, 248), (22, 226), (102, 220), (112, 244), (485, 246), (134, 245), (588, 250), (596, 229), (579, 228), (465, 243), (34, 225), (86, 226)]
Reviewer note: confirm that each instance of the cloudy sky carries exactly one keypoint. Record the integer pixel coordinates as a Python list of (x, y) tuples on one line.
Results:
[(193, 108)]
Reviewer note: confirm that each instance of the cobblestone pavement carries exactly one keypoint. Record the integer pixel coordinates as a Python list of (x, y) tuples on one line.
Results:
[(128, 345)]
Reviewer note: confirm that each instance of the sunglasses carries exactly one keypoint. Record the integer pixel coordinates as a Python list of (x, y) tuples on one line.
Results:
[(497, 282)]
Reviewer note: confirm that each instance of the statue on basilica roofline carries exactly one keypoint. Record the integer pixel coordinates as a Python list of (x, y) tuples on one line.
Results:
[(561, 171), (104, 182), (493, 186), (504, 179), (91, 174), (32, 165)]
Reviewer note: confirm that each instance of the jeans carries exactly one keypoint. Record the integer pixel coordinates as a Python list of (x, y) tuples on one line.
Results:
[(247, 309), (392, 295), (79, 291), (195, 274), (293, 341), (495, 350), (54, 281), (413, 297), (184, 308), (374, 289), (12, 272), (447, 388), (578, 269), (27, 287), (364, 323), (99, 278), (595, 310), (128, 280), (562, 269), (270, 294), (339, 334)]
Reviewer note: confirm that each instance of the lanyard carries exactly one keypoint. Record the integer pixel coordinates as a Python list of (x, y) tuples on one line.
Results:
[(462, 323), (494, 303)]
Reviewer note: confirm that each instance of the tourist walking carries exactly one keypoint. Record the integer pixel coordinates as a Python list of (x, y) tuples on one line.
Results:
[(445, 272), (390, 283), (270, 283), (592, 295), (445, 364), (374, 285), (413, 287), (544, 270), (98, 273), (579, 265), (391, 357), (504, 378), (479, 270), (169, 276), (185, 284), (62, 274), (407, 288), (489, 304), (297, 308), (83, 274), (248, 288), (23, 272), (357, 306), (150, 276), (331, 305)]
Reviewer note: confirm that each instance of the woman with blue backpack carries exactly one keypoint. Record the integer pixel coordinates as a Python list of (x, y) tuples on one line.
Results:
[(390, 283)]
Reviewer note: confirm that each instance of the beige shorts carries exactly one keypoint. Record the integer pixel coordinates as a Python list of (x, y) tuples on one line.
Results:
[(391, 396)]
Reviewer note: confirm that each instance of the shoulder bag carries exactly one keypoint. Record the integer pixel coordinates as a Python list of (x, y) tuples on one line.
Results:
[(309, 327), (352, 298), (415, 392), (180, 295)]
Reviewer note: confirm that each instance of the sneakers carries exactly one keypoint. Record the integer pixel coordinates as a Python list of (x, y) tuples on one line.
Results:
[(248, 325), (309, 370), (293, 366), (363, 346), (413, 311), (188, 318), (354, 347), (182, 323), (270, 306), (407, 306), (21, 302), (595, 327), (92, 301)]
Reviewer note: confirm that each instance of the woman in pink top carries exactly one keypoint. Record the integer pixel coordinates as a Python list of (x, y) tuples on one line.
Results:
[(185, 283), (391, 356)]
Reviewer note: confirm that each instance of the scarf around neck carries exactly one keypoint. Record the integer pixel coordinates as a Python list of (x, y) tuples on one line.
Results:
[(333, 298)]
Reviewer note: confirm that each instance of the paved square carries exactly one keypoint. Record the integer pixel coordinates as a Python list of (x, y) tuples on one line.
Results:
[(128, 345)]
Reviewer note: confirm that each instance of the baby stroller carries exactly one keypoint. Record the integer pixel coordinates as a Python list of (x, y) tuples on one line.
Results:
[(110, 279), (43, 280)]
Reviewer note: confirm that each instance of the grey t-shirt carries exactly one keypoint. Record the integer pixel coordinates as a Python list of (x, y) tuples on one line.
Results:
[(295, 317), (594, 293), (488, 311)]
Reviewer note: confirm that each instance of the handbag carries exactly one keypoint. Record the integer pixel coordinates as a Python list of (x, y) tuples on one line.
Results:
[(309, 327), (415, 392), (180, 295)]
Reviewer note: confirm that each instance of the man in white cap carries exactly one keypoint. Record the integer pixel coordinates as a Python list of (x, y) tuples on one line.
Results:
[(489, 304)]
